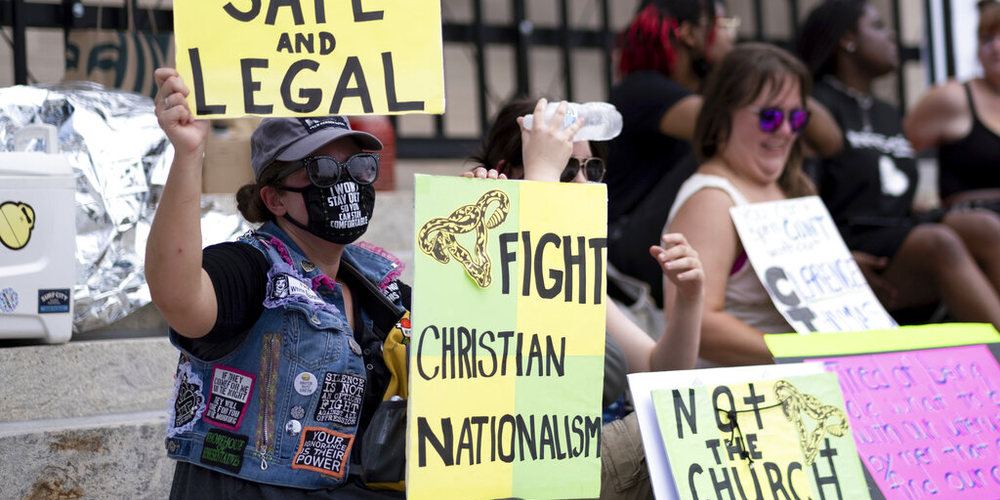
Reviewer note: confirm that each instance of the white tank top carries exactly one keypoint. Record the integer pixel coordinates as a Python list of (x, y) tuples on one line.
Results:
[(746, 298)]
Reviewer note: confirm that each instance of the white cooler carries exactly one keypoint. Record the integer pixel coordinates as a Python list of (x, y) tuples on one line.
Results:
[(37, 240)]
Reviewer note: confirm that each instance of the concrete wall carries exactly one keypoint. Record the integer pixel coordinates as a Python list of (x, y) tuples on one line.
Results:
[(85, 420)]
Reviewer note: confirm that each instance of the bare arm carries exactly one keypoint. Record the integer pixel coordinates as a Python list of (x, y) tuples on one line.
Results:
[(822, 134), (678, 122), (677, 348), (938, 117), (635, 343), (704, 220), (180, 288)]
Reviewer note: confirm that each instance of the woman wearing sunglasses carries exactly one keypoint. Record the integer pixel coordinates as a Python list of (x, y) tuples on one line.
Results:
[(547, 153), (912, 259), (746, 139), (290, 336)]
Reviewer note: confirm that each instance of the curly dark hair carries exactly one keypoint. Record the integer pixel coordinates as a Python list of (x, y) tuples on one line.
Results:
[(820, 35)]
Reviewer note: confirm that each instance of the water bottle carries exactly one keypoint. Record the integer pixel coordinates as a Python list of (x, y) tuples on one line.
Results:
[(602, 121)]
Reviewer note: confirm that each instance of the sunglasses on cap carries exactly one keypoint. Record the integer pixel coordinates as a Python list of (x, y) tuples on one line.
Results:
[(325, 171), (593, 169), (772, 118)]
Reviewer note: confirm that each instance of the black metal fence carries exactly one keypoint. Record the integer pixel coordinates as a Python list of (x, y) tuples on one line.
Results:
[(519, 33)]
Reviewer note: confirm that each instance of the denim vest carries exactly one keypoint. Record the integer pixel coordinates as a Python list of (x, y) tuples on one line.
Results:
[(283, 407)]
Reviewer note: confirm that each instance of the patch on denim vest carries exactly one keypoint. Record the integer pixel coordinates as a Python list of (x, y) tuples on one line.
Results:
[(391, 291), (231, 390), (284, 285), (341, 399), (187, 403), (324, 451), (225, 450)]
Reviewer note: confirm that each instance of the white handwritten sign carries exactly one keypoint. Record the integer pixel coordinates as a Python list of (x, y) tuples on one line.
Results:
[(805, 266)]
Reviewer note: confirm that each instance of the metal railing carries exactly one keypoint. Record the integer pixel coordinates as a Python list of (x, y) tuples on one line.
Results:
[(520, 33)]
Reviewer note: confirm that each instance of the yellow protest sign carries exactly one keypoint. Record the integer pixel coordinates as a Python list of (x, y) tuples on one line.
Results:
[(507, 350), (310, 58), (786, 438), (896, 339)]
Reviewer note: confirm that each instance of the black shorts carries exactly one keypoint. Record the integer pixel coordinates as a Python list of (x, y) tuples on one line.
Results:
[(882, 236)]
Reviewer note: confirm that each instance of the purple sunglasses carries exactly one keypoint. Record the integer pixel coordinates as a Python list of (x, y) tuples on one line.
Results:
[(772, 118)]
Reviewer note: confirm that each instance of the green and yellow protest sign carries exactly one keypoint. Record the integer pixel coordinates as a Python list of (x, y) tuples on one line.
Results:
[(310, 58), (785, 438), (507, 351)]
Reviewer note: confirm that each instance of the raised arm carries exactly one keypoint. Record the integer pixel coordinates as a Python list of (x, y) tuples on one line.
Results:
[(704, 220), (938, 117), (677, 348), (678, 122), (180, 288)]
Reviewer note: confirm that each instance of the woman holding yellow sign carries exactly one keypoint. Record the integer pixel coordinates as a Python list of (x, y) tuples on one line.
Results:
[(547, 153), (290, 338)]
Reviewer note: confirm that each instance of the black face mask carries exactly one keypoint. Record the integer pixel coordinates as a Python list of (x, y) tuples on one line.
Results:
[(338, 214)]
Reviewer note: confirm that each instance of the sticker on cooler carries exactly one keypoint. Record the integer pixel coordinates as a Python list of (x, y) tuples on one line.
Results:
[(230, 396), (54, 301), (8, 300), (16, 222)]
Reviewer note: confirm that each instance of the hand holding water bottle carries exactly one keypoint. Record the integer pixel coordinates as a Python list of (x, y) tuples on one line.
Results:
[(547, 147), (602, 121)]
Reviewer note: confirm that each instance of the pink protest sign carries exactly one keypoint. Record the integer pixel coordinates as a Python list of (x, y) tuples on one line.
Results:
[(926, 423)]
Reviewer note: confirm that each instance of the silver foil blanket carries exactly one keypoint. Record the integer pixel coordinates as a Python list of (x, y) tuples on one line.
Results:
[(120, 160)]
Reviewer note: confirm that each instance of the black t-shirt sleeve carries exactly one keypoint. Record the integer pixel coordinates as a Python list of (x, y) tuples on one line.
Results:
[(644, 98), (239, 275)]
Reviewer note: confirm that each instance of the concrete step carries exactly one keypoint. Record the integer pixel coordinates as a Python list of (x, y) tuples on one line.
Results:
[(86, 419), (84, 379), (107, 456)]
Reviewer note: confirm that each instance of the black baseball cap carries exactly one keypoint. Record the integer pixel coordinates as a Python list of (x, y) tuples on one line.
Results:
[(292, 139)]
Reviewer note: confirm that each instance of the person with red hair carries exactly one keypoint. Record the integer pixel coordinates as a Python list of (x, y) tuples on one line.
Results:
[(665, 54)]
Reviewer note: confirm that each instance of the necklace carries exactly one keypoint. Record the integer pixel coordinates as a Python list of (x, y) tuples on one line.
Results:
[(864, 101)]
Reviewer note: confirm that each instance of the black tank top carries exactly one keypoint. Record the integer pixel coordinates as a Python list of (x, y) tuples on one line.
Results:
[(973, 162)]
